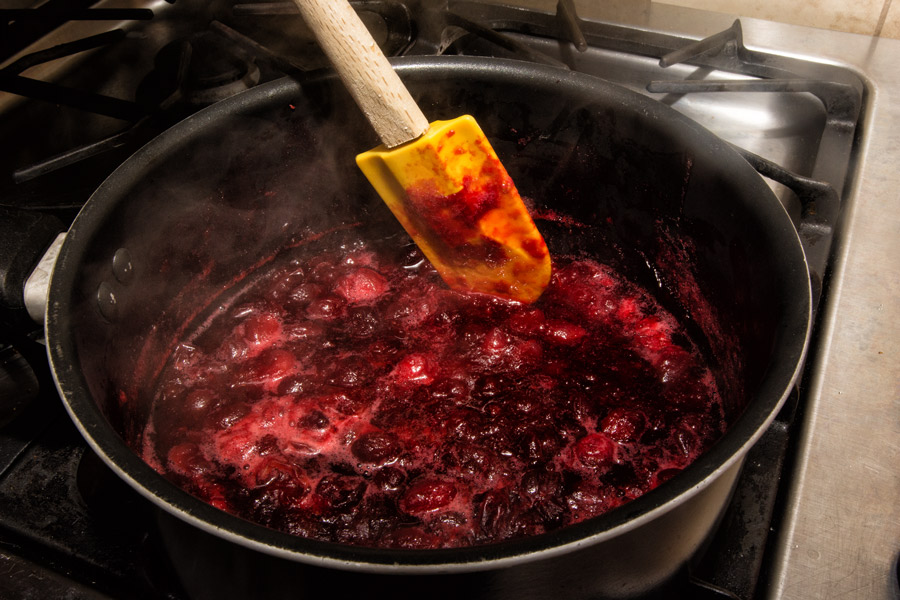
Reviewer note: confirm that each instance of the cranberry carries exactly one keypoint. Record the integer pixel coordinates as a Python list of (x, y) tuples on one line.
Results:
[(306, 330), (653, 333), (354, 371), (362, 286), (389, 478), (348, 403), (297, 449), (340, 492), (427, 496), (325, 308), (623, 425), (476, 460), (295, 385), (227, 415), (362, 322), (377, 448), (451, 388), (271, 365), (595, 450), (414, 368), (493, 513), (315, 419), (541, 484), (588, 500), (288, 281), (412, 538), (539, 445), (305, 293), (274, 471), (187, 459), (200, 400), (563, 332), (527, 322), (495, 341), (262, 329)]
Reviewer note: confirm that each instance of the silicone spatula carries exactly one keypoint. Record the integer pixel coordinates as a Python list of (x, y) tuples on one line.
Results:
[(443, 181)]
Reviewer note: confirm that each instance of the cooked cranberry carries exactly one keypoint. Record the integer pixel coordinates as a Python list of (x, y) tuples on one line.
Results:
[(295, 385), (187, 459), (493, 513), (477, 460), (340, 491), (538, 445), (623, 425), (541, 484), (389, 478), (286, 282), (496, 340), (450, 389), (271, 365), (551, 513), (274, 471), (362, 286), (427, 496), (411, 538), (361, 322), (315, 419), (228, 414), (491, 386), (595, 450), (354, 371), (323, 271), (348, 403), (377, 448), (261, 329), (414, 368), (325, 308), (587, 500), (527, 322), (305, 293), (563, 332)]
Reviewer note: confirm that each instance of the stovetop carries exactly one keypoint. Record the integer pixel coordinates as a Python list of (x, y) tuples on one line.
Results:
[(815, 514)]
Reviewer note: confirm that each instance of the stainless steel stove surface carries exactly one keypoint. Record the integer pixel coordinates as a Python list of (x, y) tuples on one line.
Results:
[(816, 513)]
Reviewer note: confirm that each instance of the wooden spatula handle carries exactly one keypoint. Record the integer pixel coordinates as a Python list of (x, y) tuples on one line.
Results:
[(366, 72)]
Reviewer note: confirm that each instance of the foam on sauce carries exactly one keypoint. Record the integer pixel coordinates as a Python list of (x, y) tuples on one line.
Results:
[(349, 396)]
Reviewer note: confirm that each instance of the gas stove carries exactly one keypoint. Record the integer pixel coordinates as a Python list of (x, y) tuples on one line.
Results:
[(816, 112)]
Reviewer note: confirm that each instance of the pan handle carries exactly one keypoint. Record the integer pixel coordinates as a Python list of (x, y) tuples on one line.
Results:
[(26, 238)]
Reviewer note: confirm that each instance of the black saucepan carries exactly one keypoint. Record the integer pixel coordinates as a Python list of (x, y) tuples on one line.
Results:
[(655, 195)]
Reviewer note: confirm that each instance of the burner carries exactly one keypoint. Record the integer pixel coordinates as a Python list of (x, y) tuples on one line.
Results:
[(197, 70), (18, 385)]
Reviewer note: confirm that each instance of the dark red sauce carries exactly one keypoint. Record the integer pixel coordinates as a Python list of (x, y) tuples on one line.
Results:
[(349, 396)]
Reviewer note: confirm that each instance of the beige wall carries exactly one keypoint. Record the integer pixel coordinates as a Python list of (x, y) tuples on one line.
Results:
[(869, 17)]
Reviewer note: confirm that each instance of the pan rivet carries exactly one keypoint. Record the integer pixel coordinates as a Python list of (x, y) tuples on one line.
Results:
[(106, 301), (122, 266)]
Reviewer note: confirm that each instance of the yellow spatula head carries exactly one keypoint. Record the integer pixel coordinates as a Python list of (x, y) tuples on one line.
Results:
[(452, 195)]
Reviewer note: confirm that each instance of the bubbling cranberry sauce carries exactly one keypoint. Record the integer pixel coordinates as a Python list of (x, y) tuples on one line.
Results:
[(348, 395)]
